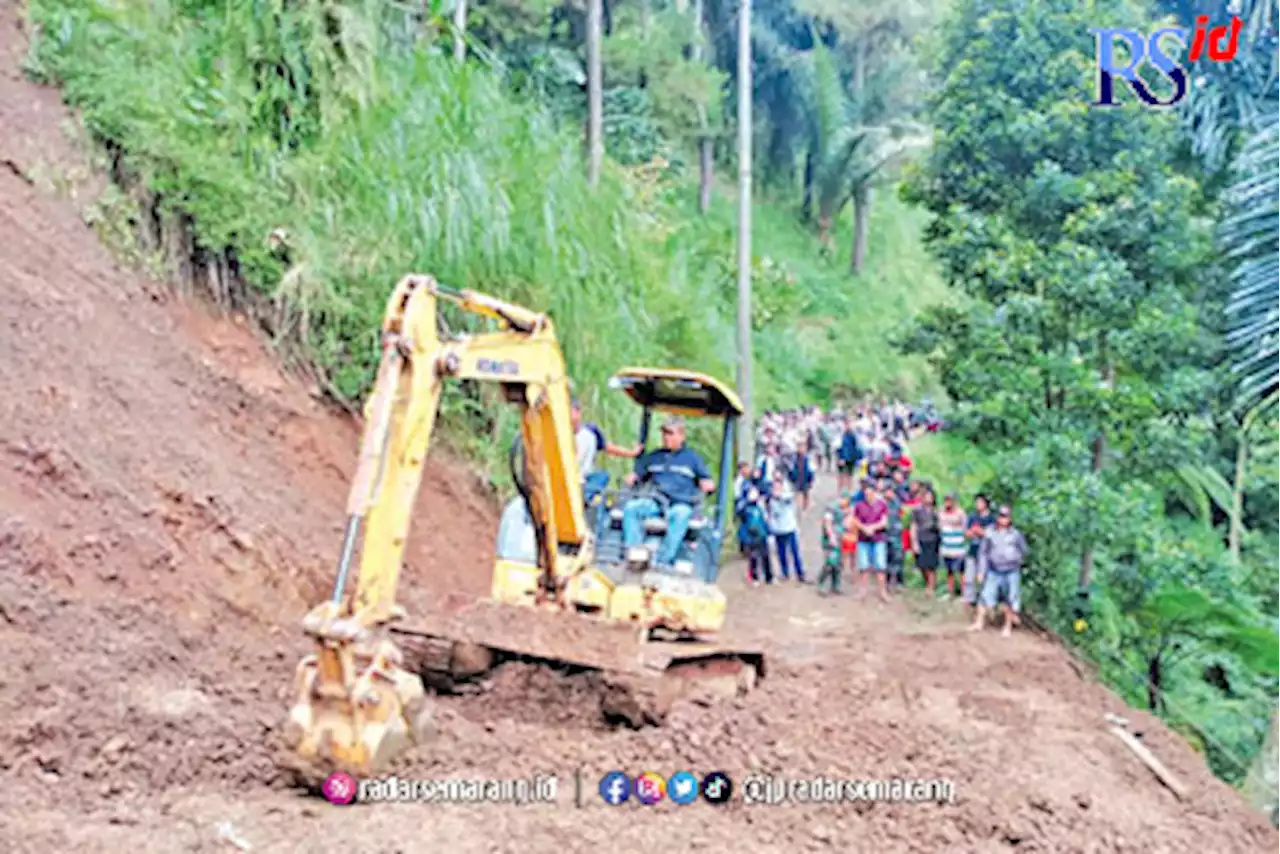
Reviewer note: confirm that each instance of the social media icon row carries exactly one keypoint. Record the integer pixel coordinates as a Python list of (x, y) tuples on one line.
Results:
[(681, 787)]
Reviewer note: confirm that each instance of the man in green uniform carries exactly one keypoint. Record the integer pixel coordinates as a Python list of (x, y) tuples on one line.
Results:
[(832, 533)]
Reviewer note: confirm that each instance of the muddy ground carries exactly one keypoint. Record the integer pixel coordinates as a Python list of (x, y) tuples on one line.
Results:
[(171, 503)]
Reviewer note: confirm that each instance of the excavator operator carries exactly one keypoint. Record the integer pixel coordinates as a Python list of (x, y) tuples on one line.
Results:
[(680, 476)]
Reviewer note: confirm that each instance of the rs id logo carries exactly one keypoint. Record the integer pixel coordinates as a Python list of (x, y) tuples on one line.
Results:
[(1221, 43)]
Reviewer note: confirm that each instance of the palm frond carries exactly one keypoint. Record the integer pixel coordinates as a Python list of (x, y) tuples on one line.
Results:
[(1250, 235), (830, 105), (1228, 96), (1205, 486), (1188, 489), (1231, 119)]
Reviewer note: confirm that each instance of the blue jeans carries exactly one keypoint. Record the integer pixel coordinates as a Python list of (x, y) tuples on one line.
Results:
[(594, 484), (758, 563), (789, 555), (873, 557), (593, 487), (1005, 585), (639, 509)]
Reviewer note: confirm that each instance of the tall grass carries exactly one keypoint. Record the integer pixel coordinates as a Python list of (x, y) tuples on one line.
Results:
[(951, 464), (346, 129)]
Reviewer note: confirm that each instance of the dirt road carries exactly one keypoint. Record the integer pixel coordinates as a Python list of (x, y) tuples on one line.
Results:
[(170, 503)]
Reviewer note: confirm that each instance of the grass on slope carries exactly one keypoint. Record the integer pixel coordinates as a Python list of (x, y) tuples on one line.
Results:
[(951, 463), (898, 280), (376, 155), (841, 335)]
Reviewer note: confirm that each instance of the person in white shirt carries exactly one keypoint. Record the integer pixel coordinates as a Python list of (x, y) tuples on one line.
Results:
[(784, 524), (590, 441), (767, 464), (877, 449), (789, 437)]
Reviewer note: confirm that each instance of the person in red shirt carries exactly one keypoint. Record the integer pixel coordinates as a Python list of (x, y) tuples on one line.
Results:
[(898, 459)]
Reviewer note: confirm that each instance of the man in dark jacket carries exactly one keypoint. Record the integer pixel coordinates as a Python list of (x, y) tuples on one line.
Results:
[(679, 474), (849, 455), (801, 474)]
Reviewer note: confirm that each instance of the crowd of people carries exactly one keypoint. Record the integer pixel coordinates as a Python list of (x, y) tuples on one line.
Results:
[(885, 519)]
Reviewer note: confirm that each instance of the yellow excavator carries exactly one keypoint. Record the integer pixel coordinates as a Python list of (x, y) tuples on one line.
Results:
[(564, 590)]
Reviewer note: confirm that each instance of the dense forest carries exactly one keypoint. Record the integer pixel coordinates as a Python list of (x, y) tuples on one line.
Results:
[(1111, 257), (939, 209)]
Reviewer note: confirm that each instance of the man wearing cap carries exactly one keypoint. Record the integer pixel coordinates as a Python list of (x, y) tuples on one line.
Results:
[(680, 475), (1000, 560)]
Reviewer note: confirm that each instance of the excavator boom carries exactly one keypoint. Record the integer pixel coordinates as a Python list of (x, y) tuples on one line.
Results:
[(356, 705)]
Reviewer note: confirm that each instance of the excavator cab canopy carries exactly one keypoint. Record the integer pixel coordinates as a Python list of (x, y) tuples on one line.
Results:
[(691, 395), (678, 392)]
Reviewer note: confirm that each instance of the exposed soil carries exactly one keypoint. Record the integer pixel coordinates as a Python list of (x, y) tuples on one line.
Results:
[(171, 503)]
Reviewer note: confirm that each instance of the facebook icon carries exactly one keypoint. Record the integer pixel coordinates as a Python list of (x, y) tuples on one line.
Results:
[(615, 787)]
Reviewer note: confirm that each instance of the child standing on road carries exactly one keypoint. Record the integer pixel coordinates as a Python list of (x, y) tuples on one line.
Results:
[(740, 485), (756, 538), (896, 554)]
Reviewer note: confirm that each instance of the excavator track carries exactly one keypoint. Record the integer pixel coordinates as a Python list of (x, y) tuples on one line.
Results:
[(359, 698), (641, 674)]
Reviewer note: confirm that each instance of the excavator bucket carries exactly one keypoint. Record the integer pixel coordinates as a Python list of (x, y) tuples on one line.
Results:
[(355, 705), (360, 697)]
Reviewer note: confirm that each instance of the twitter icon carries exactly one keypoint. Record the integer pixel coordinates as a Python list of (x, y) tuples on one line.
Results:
[(682, 788)]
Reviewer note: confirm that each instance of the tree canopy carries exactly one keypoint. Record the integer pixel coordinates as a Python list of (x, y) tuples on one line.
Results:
[(1089, 361)]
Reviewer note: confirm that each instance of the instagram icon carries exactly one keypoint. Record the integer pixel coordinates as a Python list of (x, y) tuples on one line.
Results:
[(650, 788)]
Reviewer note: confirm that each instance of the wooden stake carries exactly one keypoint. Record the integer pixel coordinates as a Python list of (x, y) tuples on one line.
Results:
[(1148, 758)]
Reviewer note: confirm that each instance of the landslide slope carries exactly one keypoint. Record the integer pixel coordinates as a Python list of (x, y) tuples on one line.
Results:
[(171, 502)]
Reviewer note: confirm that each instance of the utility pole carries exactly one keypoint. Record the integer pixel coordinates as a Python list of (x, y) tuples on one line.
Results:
[(595, 91), (746, 432), (705, 163), (460, 31)]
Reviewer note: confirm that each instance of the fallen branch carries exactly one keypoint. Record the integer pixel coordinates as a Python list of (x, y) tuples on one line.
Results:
[(13, 167), (1148, 758)]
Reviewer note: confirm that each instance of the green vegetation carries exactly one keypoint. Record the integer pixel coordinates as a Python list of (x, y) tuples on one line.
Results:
[(1088, 367), (952, 464), (326, 150), (1081, 323)]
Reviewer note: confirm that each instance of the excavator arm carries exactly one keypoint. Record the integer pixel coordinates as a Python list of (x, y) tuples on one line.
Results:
[(355, 704)]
